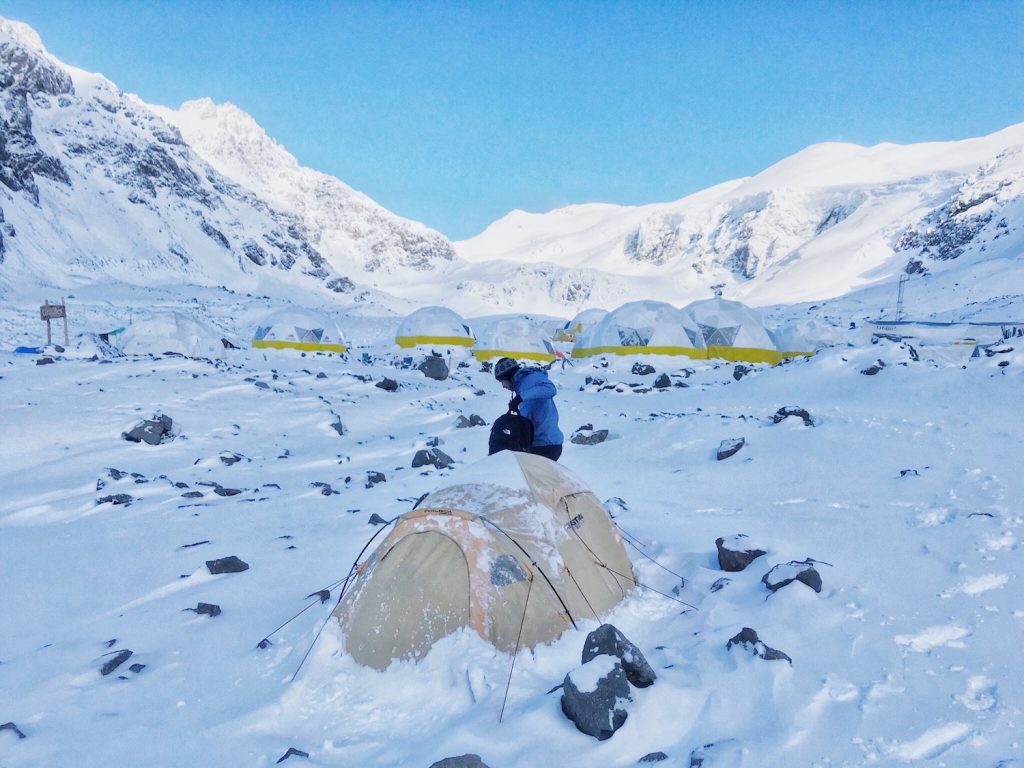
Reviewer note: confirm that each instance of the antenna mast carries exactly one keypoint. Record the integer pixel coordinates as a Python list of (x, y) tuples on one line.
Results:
[(899, 298)]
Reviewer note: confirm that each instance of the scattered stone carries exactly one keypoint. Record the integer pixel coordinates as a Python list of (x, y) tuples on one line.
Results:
[(192, 495), (720, 583), (338, 427), (388, 385), (120, 657), (795, 570), (642, 369), (12, 727), (434, 367), (873, 369), (372, 478), (261, 385), (608, 640), (376, 519), (792, 410), (748, 638), (44, 361), (462, 761), (136, 668), (221, 491), (587, 435), (712, 755), (735, 554), (662, 382), (230, 564), (155, 431), (230, 458), (653, 757), (208, 609), (740, 371), (593, 696), (321, 375), (116, 474), (910, 472), (321, 594), (325, 489), (194, 544), (473, 421), (117, 498), (433, 456), (292, 751), (615, 507), (730, 447)]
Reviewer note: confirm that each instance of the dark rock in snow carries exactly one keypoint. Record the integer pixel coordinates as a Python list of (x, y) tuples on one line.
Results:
[(338, 427), (462, 761), (434, 367), (791, 410), (230, 458), (642, 369), (372, 478), (740, 371), (388, 385), (292, 752), (44, 361), (594, 703), (730, 447), (748, 638), (795, 570), (733, 556), (873, 369), (608, 640), (322, 594), (432, 456), (153, 431), (192, 495), (14, 728), (376, 519), (587, 435), (117, 498), (221, 491), (720, 584), (207, 609), (653, 757), (119, 658), (726, 753), (230, 564), (908, 472), (325, 489), (473, 421), (662, 382), (615, 507), (136, 668)]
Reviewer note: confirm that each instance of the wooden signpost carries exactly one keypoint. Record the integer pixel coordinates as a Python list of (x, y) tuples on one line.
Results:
[(50, 312)]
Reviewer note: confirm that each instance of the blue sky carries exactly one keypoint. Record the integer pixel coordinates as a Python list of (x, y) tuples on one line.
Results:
[(454, 113)]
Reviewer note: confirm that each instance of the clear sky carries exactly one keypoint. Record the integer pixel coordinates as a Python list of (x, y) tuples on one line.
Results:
[(455, 113)]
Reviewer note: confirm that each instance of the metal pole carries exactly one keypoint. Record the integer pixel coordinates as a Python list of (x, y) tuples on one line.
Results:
[(67, 341)]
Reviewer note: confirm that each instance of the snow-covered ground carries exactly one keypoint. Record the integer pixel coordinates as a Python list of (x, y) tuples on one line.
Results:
[(905, 491)]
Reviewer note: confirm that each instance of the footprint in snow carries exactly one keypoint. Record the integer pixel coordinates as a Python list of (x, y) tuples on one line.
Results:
[(980, 695), (979, 584), (932, 742), (934, 637)]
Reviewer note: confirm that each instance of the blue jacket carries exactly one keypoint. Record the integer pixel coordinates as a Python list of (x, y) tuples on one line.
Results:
[(537, 392)]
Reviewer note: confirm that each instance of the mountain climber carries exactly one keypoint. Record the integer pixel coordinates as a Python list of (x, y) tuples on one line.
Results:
[(533, 398)]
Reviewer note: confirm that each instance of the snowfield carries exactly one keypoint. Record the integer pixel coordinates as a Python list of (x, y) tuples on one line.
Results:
[(905, 493)]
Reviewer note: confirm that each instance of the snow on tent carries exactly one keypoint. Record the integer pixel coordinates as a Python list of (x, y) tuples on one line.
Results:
[(733, 331), (517, 338), (639, 328), (519, 545), (434, 326), (305, 331), (170, 332), (583, 320)]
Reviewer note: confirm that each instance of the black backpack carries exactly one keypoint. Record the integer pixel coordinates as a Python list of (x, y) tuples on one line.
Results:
[(510, 432)]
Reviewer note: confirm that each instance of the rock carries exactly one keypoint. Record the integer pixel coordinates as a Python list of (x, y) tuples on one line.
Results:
[(587, 435), (873, 369), (376, 519), (221, 491), (740, 371), (321, 375), (434, 367), (388, 385), (207, 609), (117, 498), (192, 495), (608, 640), (44, 361), (662, 382), (642, 369), (726, 754), (155, 431), (653, 757), (292, 752), (230, 458), (795, 570), (792, 410), (14, 728), (593, 696), (908, 473), (136, 668), (325, 488), (230, 564), (119, 658), (462, 761), (734, 553), (748, 638), (473, 421), (720, 584), (615, 507), (730, 447), (261, 385), (338, 427), (432, 456), (372, 478)]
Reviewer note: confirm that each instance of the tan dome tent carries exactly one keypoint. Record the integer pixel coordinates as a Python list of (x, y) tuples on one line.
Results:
[(520, 542), (434, 326)]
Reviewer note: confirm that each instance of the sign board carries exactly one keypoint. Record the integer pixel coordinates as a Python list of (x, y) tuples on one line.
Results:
[(51, 312)]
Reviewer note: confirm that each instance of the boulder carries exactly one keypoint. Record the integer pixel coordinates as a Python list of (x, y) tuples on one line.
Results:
[(44, 361), (730, 447), (473, 421), (372, 478), (792, 410), (206, 609), (871, 370), (118, 658), (662, 382), (735, 553), (653, 757), (748, 638), (388, 385), (462, 761), (376, 519), (608, 640), (594, 695), (740, 371), (587, 435), (155, 431), (230, 564), (117, 498), (642, 369), (433, 456), (795, 570), (434, 367)]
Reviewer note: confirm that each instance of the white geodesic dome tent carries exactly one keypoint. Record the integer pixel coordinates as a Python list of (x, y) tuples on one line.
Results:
[(302, 330), (172, 332), (517, 338), (435, 327), (642, 328), (732, 330)]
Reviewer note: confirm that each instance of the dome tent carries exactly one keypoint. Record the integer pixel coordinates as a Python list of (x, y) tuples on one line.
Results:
[(169, 331), (517, 338), (493, 553), (434, 326), (642, 327), (301, 330), (584, 320), (732, 331)]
